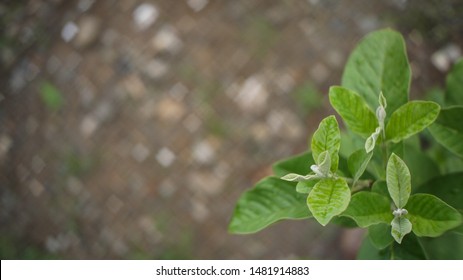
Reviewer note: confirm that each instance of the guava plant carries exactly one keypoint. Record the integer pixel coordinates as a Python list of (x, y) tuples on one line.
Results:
[(377, 174)]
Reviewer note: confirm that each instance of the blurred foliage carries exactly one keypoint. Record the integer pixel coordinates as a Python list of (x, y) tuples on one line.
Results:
[(51, 96), (12, 249), (77, 164), (260, 35), (436, 20), (308, 98)]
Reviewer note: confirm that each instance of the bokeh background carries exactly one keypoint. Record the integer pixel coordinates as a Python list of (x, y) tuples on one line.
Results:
[(129, 128)]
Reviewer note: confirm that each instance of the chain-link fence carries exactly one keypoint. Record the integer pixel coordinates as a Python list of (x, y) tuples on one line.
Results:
[(130, 128)]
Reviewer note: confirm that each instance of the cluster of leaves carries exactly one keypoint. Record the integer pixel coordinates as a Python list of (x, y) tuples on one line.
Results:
[(374, 176)]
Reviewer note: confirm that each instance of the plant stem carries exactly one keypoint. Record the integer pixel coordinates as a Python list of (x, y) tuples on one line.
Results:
[(384, 151)]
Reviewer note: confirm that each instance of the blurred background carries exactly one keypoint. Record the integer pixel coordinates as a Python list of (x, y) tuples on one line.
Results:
[(129, 128)]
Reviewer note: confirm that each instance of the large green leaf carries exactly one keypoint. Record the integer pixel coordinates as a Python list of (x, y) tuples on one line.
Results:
[(398, 181), (358, 162), (449, 246), (410, 119), (380, 235), (454, 93), (401, 226), (353, 110), (448, 188), (271, 200), (409, 249), (368, 208), (328, 198), (299, 164), (379, 63), (448, 129), (327, 138), (431, 216), (422, 167)]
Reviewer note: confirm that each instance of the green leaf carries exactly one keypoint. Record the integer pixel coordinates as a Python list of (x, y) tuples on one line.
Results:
[(357, 163), (401, 226), (410, 119), (343, 221), (449, 246), (368, 251), (379, 63), (299, 164), (51, 96), (396, 148), (382, 100), (324, 163), (271, 200), (458, 230), (380, 187), (431, 216), (353, 110), (327, 138), (398, 181), (454, 93), (368, 208), (448, 188), (306, 186), (422, 167), (328, 198), (371, 140), (380, 235), (293, 177), (350, 142), (448, 129), (409, 249)]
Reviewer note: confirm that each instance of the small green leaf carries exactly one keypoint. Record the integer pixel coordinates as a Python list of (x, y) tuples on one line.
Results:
[(379, 64), (410, 119), (357, 163), (51, 96), (328, 198), (448, 129), (293, 177), (382, 100), (380, 235), (327, 138), (371, 140), (431, 216), (353, 110), (299, 164), (368, 208), (448, 188), (271, 200), (398, 181), (324, 163), (306, 186), (454, 93), (401, 226)]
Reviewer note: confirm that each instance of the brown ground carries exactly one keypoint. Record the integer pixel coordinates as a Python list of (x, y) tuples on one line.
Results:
[(160, 130)]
